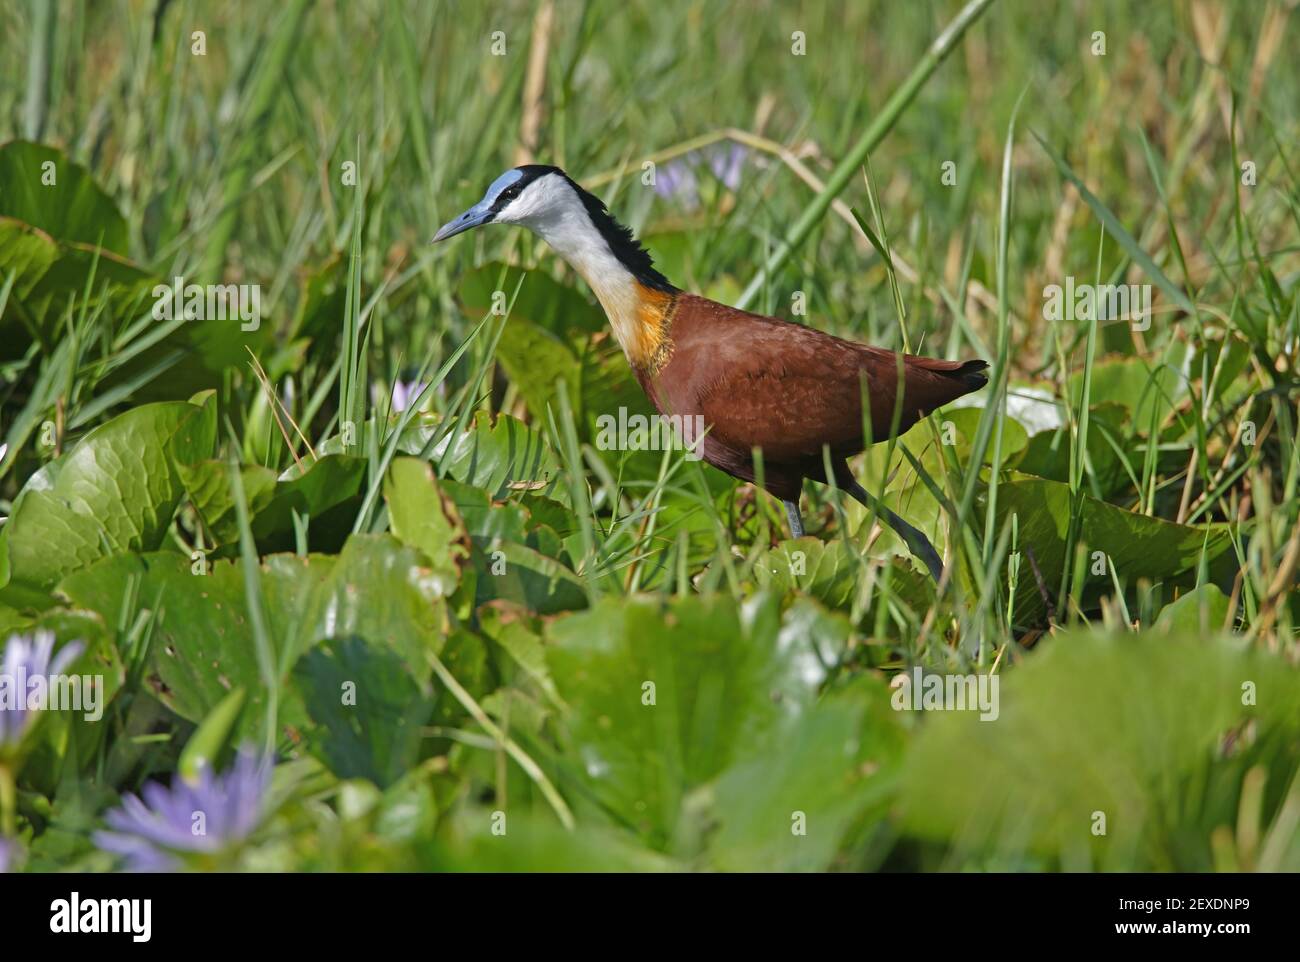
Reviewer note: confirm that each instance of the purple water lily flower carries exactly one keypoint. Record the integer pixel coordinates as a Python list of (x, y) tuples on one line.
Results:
[(206, 816), (8, 854), (727, 164), (678, 178), (26, 658)]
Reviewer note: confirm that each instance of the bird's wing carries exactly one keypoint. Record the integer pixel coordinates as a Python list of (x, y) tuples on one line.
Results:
[(789, 389), (788, 405)]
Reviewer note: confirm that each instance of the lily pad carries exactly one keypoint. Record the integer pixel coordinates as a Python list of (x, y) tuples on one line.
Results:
[(115, 491), (424, 517), (203, 646), (47, 190), (1134, 545), (366, 707), (1108, 752), (665, 695)]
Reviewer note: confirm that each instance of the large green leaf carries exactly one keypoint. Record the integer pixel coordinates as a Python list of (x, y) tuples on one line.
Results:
[(322, 491), (483, 840), (516, 572), (385, 592), (25, 251), (376, 589), (736, 762), (72, 208), (483, 518), (115, 491), (366, 707), (374, 620), (958, 427), (326, 490), (76, 267), (60, 236), (789, 809), (55, 237), (207, 482), (666, 696), (1147, 731), (1202, 611), (720, 682), (1143, 390), (821, 569), (1134, 545), (203, 646), (827, 571), (1047, 454), (502, 456), (424, 517)]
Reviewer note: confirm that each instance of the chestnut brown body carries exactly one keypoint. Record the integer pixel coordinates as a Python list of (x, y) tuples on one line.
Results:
[(760, 382)]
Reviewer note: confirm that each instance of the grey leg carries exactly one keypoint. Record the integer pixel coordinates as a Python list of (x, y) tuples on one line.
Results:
[(918, 543), (796, 522)]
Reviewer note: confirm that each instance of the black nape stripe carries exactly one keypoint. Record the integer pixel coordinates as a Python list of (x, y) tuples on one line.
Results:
[(620, 238)]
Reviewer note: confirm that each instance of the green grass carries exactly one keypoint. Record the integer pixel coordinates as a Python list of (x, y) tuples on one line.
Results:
[(1118, 509)]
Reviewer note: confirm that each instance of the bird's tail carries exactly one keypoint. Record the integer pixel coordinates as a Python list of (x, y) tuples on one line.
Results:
[(973, 374)]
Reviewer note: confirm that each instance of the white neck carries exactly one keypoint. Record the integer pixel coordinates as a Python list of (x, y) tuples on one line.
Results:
[(564, 225)]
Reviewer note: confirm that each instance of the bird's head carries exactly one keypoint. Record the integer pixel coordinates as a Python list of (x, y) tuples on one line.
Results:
[(575, 223), (532, 196)]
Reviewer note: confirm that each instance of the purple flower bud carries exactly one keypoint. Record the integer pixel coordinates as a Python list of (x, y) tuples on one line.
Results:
[(405, 393)]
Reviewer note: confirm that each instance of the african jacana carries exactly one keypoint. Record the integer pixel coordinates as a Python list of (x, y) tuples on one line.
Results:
[(758, 382)]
